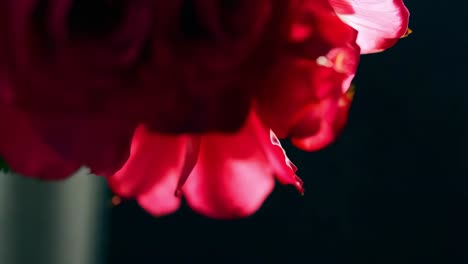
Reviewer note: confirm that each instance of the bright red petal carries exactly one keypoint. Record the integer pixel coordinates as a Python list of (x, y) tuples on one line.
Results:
[(152, 171), (380, 23), (285, 170), (304, 85), (317, 65), (152, 156), (330, 116), (160, 200), (232, 177), (164, 197)]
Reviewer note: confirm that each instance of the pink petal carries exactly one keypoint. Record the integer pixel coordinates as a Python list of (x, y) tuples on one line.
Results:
[(232, 177), (380, 23), (152, 171)]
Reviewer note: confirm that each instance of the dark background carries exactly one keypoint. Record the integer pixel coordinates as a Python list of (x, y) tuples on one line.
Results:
[(390, 190)]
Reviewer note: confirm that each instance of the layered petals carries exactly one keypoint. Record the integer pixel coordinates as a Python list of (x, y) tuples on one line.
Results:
[(284, 169), (311, 100), (140, 60), (152, 171), (222, 176), (173, 100), (380, 23), (307, 82), (153, 157)]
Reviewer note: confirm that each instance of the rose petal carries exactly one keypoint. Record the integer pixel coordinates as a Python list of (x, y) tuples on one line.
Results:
[(380, 23), (285, 170), (232, 177), (152, 172), (160, 200), (25, 151), (310, 34), (153, 159), (299, 83), (317, 64), (330, 116), (207, 52), (100, 144)]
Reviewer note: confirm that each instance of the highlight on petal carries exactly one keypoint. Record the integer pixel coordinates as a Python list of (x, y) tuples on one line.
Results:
[(232, 177), (380, 23), (152, 171), (160, 200), (284, 169)]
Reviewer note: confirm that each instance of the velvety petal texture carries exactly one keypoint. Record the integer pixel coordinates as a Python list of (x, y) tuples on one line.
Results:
[(380, 23), (134, 59), (182, 100), (25, 152)]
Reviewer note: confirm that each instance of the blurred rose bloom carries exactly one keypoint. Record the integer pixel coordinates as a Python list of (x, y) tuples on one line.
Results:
[(172, 99)]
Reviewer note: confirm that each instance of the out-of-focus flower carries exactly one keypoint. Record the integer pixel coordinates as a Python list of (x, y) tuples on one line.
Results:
[(172, 99)]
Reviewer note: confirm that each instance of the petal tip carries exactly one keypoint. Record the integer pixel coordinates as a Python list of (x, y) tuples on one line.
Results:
[(299, 184)]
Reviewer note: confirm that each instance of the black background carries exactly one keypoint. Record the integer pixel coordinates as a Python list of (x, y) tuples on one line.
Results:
[(390, 190)]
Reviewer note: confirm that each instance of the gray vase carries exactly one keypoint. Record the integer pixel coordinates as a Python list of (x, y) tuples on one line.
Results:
[(53, 222)]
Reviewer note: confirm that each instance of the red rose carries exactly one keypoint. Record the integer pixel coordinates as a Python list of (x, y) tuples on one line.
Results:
[(197, 88)]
